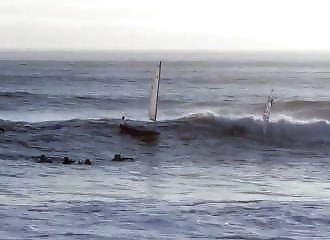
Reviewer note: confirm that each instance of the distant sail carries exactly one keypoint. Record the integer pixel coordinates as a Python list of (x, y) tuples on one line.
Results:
[(267, 111), (154, 95)]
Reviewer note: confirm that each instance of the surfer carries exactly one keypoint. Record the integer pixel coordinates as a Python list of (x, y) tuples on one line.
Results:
[(2, 130)]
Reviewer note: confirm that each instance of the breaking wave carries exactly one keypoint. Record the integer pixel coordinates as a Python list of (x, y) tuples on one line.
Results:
[(283, 129), (202, 125)]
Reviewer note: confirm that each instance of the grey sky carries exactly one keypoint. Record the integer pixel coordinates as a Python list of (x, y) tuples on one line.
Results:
[(165, 24)]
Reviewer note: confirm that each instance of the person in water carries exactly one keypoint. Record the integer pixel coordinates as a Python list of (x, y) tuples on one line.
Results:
[(88, 162), (119, 158), (44, 159), (123, 120), (66, 160)]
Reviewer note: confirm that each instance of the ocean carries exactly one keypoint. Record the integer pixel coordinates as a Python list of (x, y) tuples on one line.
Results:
[(197, 181)]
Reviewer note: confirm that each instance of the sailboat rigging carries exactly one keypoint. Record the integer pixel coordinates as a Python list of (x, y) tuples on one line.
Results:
[(140, 131), (153, 105)]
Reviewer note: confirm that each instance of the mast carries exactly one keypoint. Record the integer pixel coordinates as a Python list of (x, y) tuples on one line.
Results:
[(153, 104), (159, 71)]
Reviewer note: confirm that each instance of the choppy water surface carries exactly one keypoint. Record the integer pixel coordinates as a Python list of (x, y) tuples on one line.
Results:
[(196, 181)]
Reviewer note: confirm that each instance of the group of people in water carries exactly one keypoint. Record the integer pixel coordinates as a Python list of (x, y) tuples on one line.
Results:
[(67, 161), (44, 159)]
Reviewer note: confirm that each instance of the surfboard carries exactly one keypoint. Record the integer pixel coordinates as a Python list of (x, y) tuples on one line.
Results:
[(267, 112)]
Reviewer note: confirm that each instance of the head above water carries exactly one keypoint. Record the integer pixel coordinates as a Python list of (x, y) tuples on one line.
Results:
[(88, 162)]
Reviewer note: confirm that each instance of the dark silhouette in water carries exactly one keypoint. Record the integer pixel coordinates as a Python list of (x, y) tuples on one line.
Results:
[(123, 120), (66, 160), (237, 131), (88, 162), (44, 159), (118, 158), (2, 130)]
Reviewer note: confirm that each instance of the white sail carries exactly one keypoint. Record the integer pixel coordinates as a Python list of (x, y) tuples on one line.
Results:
[(267, 111), (154, 95)]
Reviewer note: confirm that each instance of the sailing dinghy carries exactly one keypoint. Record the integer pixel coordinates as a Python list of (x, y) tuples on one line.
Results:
[(141, 131)]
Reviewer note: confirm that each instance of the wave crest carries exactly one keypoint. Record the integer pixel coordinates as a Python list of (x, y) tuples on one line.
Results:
[(285, 129)]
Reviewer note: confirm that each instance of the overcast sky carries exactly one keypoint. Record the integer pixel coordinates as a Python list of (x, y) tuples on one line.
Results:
[(165, 25)]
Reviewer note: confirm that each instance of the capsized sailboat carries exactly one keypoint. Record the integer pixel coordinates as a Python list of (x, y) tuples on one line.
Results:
[(141, 131), (267, 111)]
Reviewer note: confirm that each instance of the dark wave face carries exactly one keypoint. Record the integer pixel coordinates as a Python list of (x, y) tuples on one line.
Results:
[(213, 173)]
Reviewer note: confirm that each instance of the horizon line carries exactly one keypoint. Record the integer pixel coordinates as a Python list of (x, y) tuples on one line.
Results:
[(157, 51)]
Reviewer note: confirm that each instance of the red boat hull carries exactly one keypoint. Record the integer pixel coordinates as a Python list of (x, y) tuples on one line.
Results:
[(140, 132)]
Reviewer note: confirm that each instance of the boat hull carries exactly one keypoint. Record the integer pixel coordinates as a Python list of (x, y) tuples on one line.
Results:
[(138, 131)]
